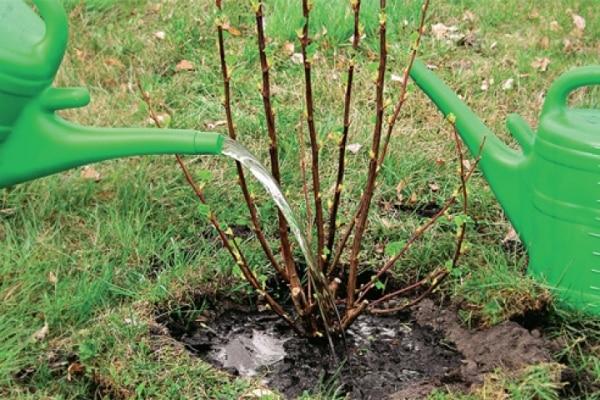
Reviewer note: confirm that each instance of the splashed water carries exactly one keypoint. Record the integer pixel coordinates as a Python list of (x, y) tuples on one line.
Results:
[(234, 150)]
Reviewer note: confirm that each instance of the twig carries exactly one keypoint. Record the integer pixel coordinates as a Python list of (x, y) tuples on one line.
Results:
[(240, 171), (314, 141), (286, 249), (373, 163), (344, 139), (402, 98)]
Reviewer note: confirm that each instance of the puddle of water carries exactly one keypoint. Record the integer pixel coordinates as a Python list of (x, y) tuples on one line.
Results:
[(248, 354)]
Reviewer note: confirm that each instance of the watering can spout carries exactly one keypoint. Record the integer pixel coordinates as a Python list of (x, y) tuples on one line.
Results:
[(501, 165), (42, 143)]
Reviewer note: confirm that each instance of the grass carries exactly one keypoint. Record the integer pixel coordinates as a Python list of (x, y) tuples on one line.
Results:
[(94, 260)]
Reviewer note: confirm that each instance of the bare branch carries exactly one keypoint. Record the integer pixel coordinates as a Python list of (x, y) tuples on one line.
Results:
[(314, 141), (344, 139), (402, 97), (286, 248), (373, 163), (240, 171)]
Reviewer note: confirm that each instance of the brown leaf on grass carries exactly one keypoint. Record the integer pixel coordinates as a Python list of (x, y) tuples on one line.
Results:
[(52, 278), (554, 26), (288, 49), (233, 31), (413, 198), (434, 187), (469, 16), (578, 22), (89, 173), (184, 65), (541, 64), (508, 84), (545, 42), (160, 35), (485, 85), (216, 124), (511, 236), (399, 188), (41, 334), (74, 369), (567, 45), (441, 31)]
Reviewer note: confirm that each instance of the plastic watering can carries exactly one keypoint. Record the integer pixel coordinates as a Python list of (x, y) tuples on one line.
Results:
[(550, 189), (34, 141)]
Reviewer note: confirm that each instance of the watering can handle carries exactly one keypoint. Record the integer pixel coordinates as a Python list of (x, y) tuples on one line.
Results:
[(56, 21), (558, 94)]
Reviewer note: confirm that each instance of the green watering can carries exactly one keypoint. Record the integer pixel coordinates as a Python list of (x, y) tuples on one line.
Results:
[(34, 141), (550, 189)]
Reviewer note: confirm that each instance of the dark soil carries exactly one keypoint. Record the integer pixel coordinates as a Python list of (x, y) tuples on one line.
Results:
[(397, 357), (386, 354)]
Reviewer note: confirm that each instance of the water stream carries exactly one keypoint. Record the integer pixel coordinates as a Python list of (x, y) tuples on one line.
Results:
[(234, 150)]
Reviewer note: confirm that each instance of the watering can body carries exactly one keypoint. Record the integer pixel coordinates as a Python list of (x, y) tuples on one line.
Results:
[(550, 188), (34, 141)]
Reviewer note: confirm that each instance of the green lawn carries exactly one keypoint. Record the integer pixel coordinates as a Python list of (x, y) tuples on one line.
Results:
[(96, 260)]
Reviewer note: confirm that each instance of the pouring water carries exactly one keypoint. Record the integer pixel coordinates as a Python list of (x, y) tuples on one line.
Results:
[(234, 150)]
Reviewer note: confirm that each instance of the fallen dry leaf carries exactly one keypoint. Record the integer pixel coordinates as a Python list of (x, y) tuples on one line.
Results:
[(52, 278), (113, 62), (511, 236), (164, 119), (41, 334), (545, 42), (354, 147), (485, 85), (541, 64), (233, 31), (160, 35), (434, 187), (399, 188), (554, 26), (397, 78), (567, 45), (184, 65), (444, 32), (508, 84), (413, 198), (297, 58), (579, 22), (288, 49), (74, 369), (213, 125), (89, 173), (469, 16)]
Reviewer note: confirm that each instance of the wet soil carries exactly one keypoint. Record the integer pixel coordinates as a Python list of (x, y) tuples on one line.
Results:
[(397, 357), (385, 354)]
